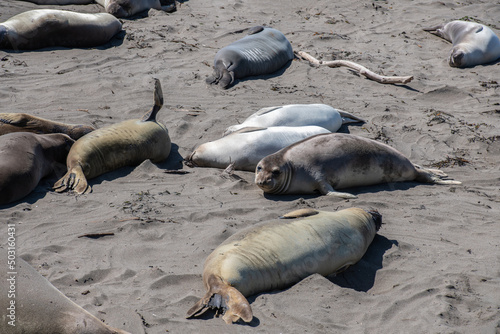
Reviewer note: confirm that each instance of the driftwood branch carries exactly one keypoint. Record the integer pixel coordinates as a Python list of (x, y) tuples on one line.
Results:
[(361, 69)]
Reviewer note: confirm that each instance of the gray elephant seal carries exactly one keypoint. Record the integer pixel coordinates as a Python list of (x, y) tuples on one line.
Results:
[(297, 115), (333, 161), (473, 43), (20, 122), (246, 147), (127, 143), (26, 159), (277, 254), (41, 28), (40, 308), (263, 51)]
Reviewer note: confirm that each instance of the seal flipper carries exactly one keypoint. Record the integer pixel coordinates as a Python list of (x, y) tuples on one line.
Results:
[(300, 213), (349, 118), (435, 176), (75, 180), (327, 189), (223, 296), (150, 116), (255, 30)]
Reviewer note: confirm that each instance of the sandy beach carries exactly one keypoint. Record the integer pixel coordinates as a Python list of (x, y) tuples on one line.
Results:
[(434, 266)]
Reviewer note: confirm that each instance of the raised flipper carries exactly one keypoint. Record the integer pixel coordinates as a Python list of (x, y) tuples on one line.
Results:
[(349, 118), (225, 299), (75, 180), (158, 98)]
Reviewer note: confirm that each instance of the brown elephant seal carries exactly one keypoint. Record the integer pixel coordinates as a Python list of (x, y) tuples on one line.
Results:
[(473, 43), (33, 305), (127, 143), (41, 28), (263, 51), (26, 159), (333, 161), (20, 122), (279, 253)]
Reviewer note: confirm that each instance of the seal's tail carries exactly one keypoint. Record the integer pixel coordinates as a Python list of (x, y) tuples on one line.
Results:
[(223, 297), (436, 176), (75, 180), (349, 118)]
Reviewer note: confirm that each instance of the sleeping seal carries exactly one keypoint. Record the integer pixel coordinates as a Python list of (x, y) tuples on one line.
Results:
[(20, 122), (26, 159), (298, 115), (123, 144), (263, 51), (278, 253), (39, 307), (246, 147), (41, 28), (473, 43), (333, 161)]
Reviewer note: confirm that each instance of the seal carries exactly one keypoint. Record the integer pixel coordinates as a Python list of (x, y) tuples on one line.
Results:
[(298, 115), (26, 159), (127, 143), (334, 161), (473, 43), (263, 51), (278, 253), (41, 28), (246, 147), (41, 308), (20, 122)]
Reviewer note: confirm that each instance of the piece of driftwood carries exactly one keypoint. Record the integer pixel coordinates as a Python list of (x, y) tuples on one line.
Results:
[(361, 69)]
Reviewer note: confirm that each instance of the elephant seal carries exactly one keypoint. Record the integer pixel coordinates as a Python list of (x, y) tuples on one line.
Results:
[(333, 161), (20, 122), (36, 306), (41, 28), (263, 51), (246, 147), (127, 143), (278, 253), (473, 43), (298, 115), (26, 159)]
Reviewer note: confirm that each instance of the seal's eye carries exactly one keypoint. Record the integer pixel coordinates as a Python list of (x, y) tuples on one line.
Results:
[(259, 168), (276, 172)]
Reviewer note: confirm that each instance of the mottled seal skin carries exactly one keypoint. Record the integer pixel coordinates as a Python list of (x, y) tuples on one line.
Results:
[(41, 28), (26, 158), (334, 161), (42, 309), (127, 143), (263, 51), (279, 253), (473, 43), (20, 122), (297, 115), (246, 147)]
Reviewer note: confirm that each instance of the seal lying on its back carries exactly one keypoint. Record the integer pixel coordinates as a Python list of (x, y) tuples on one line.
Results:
[(278, 253), (19, 122), (264, 51), (473, 43), (298, 115), (333, 161), (42, 309), (26, 158), (123, 144), (41, 28), (246, 147)]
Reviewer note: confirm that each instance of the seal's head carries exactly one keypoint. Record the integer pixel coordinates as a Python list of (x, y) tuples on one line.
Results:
[(272, 176), (119, 8), (458, 58)]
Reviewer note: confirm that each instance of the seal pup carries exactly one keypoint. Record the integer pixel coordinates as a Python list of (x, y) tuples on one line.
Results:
[(263, 51), (279, 253), (127, 143), (41, 28), (298, 115), (20, 122), (41, 308), (333, 161), (26, 159), (246, 147), (473, 43)]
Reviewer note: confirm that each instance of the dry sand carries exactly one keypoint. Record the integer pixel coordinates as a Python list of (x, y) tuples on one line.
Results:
[(433, 268)]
